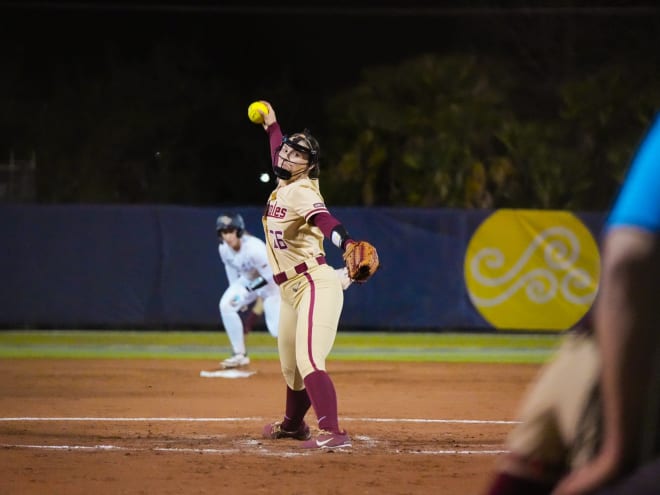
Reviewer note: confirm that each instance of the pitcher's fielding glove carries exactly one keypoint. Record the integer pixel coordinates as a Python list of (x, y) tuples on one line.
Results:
[(361, 260)]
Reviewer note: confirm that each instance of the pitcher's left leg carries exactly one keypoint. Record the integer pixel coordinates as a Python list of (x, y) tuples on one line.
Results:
[(318, 318)]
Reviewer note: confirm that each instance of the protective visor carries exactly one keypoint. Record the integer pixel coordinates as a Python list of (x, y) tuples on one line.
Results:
[(296, 145)]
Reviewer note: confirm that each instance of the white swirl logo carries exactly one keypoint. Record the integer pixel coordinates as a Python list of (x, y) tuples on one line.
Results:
[(537, 274), (540, 284)]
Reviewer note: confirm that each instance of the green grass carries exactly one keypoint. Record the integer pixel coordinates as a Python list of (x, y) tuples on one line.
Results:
[(357, 346)]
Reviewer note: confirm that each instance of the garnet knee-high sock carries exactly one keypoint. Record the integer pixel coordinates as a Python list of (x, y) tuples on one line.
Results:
[(297, 405), (322, 393)]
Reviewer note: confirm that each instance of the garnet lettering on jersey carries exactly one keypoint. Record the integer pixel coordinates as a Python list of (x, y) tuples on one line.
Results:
[(275, 211)]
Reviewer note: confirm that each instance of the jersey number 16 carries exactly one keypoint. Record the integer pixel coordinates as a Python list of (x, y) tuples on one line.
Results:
[(278, 241)]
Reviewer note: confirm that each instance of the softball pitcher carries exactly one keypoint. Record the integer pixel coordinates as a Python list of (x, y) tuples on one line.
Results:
[(295, 223)]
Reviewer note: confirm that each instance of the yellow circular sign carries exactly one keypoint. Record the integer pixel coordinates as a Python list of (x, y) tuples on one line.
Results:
[(532, 269)]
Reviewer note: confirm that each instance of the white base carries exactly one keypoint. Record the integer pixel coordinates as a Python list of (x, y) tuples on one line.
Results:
[(232, 373)]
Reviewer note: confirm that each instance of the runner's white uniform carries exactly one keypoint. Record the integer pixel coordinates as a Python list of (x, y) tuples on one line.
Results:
[(243, 266)]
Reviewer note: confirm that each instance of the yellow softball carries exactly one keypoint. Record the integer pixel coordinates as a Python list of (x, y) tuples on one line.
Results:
[(253, 112)]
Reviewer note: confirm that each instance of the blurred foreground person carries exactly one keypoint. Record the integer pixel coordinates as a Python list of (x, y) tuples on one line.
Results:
[(590, 424)]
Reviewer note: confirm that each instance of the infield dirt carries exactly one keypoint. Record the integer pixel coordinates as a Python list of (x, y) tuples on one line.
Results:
[(84, 426)]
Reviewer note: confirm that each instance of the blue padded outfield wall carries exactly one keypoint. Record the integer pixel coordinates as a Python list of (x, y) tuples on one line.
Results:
[(107, 266)]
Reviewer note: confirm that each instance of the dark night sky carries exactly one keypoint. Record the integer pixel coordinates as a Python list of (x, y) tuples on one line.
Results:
[(336, 40)]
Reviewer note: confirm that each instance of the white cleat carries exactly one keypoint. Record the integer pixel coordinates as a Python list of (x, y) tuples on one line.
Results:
[(236, 361)]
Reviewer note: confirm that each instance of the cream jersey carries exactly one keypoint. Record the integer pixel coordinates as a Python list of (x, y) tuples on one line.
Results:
[(249, 262), (290, 238)]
